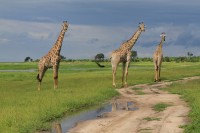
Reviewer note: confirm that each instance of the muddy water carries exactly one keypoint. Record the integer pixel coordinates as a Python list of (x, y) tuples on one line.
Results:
[(67, 123), (70, 121)]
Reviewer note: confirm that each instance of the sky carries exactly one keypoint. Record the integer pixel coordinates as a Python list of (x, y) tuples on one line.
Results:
[(31, 27)]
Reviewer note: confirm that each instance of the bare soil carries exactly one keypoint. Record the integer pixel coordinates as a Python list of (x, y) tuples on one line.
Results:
[(144, 119)]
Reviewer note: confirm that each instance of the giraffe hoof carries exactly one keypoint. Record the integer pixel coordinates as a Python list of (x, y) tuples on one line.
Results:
[(156, 80), (55, 88), (126, 85)]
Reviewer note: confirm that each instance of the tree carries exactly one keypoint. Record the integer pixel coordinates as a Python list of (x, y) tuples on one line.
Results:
[(189, 54), (62, 57), (99, 57), (133, 55), (166, 59), (28, 59)]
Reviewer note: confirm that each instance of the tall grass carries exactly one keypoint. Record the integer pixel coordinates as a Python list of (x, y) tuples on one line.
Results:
[(23, 109), (190, 92)]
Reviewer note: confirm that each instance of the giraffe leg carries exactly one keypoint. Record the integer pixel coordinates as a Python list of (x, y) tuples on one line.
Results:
[(55, 76), (156, 73), (159, 67), (40, 75), (114, 68), (115, 60), (126, 73), (155, 69), (155, 77), (159, 70), (123, 72)]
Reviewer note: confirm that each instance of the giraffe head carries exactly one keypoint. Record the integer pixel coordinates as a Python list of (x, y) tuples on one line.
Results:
[(65, 25), (142, 26), (163, 35)]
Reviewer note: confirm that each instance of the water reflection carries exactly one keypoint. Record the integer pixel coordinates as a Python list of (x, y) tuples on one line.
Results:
[(67, 123), (58, 128)]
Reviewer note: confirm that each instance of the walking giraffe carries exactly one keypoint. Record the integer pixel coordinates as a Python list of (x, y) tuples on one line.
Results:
[(157, 58), (52, 58), (123, 54)]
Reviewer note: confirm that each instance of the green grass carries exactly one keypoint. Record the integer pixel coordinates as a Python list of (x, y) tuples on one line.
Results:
[(139, 92), (160, 107), (23, 109), (190, 92), (137, 89), (152, 119)]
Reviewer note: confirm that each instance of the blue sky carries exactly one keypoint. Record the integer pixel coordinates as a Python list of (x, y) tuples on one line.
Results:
[(30, 28)]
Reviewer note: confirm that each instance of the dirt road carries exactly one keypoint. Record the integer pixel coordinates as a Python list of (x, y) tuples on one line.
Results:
[(144, 119)]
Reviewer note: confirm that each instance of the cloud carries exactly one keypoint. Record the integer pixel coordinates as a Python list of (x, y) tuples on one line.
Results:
[(3, 41), (97, 26), (85, 41), (38, 35)]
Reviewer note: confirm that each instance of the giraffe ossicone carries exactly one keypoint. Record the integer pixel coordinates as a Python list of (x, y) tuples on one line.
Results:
[(52, 58)]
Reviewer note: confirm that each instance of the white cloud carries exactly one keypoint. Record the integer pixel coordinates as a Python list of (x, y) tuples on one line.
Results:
[(3, 40), (85, 41), (39, 36), (35, 30)]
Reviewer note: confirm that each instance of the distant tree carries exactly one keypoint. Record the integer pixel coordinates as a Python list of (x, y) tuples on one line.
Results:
[(99, 57), (146, 59), (189, 54), (28, 59), (133, 55), (180, 59), (62, 57), (166, 59)]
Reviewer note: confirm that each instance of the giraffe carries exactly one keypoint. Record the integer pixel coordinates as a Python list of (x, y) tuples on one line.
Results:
[(52, 58), (157, 58), (123, 54)]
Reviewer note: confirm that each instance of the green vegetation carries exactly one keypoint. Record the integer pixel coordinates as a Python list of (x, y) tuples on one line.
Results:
[(81, 85), (137, 89), (139, 92), (152, 119), (190, 92), (160, 107), (145, 130)]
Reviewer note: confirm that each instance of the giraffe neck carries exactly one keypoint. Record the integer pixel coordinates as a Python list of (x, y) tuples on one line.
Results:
[(57, 46), (131, 42), (159, 48)]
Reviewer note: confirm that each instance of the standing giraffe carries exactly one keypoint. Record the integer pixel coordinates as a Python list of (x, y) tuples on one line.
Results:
[(123, 54), (157, 58), (52, 58)]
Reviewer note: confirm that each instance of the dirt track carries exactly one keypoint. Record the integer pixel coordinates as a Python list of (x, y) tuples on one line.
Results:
[(123, 120)]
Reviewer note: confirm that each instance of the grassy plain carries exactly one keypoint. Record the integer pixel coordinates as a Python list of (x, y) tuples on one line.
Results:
[(190, 92), (81, 85)]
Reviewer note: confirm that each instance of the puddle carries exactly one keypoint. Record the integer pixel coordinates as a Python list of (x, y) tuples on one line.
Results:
[(67, 123)]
